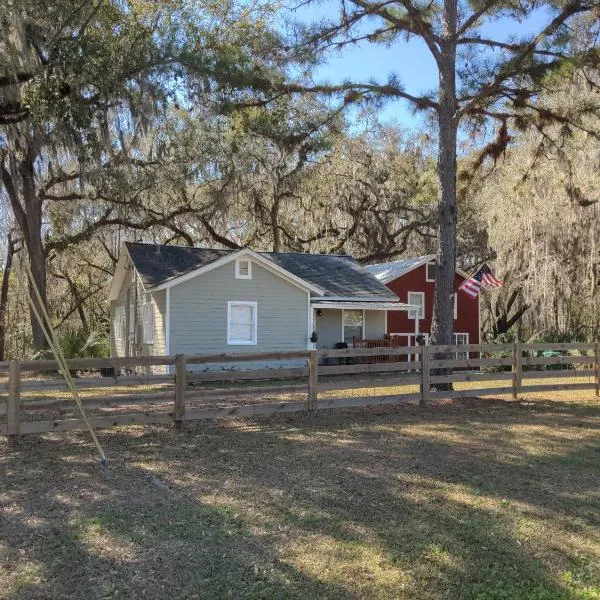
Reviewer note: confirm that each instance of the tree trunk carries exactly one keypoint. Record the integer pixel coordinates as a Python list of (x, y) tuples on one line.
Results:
[(27, 210), (10, 252), (443, 307)]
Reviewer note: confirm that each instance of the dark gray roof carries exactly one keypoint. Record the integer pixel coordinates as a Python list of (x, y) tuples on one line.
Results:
[(392, 270), (338, 276)]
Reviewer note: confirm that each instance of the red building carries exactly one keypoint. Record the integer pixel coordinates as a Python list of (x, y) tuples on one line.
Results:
[(413, 281)]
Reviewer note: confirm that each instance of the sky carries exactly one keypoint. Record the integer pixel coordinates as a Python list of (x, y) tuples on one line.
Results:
[(411, 61)]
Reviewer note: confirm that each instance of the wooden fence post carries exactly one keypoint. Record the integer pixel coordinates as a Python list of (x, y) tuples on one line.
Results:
[(179, 390), (597, 367), (14, 402), (516, 368), (425, 376), (313, 380)]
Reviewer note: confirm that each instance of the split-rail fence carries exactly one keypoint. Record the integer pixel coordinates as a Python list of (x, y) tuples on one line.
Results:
[(35, 400)]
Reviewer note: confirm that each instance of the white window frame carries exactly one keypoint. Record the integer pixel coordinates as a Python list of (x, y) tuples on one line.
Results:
[(427, 278), (363, 322), (460, 355), (254, 306), (120, 323), (411, 313), (238, 273), (148, 321)]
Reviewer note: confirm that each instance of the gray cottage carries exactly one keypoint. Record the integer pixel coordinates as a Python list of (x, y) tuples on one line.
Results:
[(176, 299)]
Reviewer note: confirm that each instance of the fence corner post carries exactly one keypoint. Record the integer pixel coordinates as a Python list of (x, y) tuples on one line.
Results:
[(597, 367), (425, 376), (516, 368), (14, 402), (179, 390), (313, 380)]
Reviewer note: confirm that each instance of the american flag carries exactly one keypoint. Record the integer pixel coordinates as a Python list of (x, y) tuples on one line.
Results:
[(482, 278)]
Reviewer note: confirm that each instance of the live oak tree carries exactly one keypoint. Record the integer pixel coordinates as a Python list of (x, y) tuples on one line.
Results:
[(481, 80), (81, 85)]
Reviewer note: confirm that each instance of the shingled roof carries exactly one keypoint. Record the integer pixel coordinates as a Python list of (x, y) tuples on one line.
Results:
[(338, 276)]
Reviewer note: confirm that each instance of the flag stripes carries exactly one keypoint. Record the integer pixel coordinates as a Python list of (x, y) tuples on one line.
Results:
[(483, 277)]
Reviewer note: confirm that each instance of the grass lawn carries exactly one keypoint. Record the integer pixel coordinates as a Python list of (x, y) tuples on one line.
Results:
[(474, 499)]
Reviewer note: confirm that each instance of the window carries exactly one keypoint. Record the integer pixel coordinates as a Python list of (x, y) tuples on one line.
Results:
[(243, 269), (241, 323), (416, 299), (131, 305), (148, 321), (431, 270), (119, 325), (455, 305), (461, 339), (353, 325)]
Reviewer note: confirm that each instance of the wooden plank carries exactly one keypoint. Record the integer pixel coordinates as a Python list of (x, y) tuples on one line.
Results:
[(244, 410), (383, 351), (257, 374), (267, 391), (471, 363), (179, 390), (13, 401), (104, 421), (355, 402), (516, 369), (98, 363), (370, 368), (499, 376), (563, 373), (313, 380), (425, 376), (473, 393), (369, 382), (85, 383), (96, 402), (566, 346), (557, 387), (200, 359), (597, 367), (486, 348), (558, 360)]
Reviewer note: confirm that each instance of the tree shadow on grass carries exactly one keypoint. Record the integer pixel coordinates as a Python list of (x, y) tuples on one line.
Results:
[(68, 533), (390, 503)]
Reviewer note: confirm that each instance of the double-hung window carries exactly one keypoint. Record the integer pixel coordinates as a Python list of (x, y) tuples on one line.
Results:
[(148, 321), (416, 299), (119, 324), (241, 323), (461, 339), (353, 325)]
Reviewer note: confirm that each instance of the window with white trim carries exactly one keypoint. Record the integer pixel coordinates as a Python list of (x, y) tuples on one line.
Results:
[(148, 321), (241, 323), (120, 324), (431, 269), (416, 299), (353, 325), (243, 268), (460, 339)]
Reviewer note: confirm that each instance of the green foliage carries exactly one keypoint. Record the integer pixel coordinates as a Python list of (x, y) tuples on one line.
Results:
[(76, 342)]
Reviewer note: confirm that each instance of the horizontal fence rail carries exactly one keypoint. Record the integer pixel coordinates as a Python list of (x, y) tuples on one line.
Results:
[(179, 388)]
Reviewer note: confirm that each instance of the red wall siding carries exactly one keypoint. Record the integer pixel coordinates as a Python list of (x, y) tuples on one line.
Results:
[(414, 281)]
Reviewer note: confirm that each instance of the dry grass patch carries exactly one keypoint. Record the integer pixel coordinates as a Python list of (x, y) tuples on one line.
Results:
[(473, 499)]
